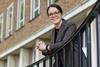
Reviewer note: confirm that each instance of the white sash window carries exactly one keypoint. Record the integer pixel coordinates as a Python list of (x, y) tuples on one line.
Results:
[(21, 13), (9, 22), (35, 9)]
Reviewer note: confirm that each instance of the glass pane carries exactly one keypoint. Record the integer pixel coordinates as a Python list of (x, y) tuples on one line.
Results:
[(10, 20), (0, 19), (36, 3), (21, 10), (0, 28), (10, 10), (36, 13), (21, 23), (55, 1), (0, 24), (50, 2)]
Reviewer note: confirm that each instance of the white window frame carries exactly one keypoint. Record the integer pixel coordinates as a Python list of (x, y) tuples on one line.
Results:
[(33, 9), (52, 1), (1, 35), (19, 14), (9, 22)]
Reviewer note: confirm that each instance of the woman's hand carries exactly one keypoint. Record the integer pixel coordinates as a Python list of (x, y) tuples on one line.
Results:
[(40, 45)]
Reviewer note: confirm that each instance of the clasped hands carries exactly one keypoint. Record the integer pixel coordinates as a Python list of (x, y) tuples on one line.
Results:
[(41, 45)]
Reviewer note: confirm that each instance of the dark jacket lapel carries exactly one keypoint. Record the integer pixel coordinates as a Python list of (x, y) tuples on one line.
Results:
[(61, 31), (53, 36)]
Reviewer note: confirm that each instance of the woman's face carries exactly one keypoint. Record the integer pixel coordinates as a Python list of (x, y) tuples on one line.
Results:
[(54, 15)]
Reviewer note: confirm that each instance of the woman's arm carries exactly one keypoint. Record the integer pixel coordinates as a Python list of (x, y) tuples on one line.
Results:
[(68, 33)]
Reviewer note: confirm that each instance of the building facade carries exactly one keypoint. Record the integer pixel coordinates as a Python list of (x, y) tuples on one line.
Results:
[(24, 21)]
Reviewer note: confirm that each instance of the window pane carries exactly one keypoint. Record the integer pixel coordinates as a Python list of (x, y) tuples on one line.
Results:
[(21, 10), (0, 28), (55, 1), (21, 23), (36, 13), (36, 3), (10, 20), (35, 8), (20, 17), (50, 2)]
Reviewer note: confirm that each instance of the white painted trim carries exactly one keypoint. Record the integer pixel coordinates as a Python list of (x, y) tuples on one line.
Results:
[(19, 15), (1, 15), (34, 36), (33, 9), (9, 31), (44, 30), (10, 6), (80, 9), (93, 44)]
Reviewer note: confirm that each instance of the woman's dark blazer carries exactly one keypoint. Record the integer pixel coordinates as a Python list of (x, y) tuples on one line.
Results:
[(65, 32)]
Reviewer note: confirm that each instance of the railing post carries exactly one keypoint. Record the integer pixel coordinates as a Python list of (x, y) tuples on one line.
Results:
[(56, 59), (79, 50), (50, 61), (38, 64), (72, 48), (64, 55), (44, 63), (88, 45), (98, 36)]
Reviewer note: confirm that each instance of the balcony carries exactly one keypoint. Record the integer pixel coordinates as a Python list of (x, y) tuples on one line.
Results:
[(85, 47)]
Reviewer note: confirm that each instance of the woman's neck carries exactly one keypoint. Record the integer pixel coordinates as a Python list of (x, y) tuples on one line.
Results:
[(58, 25)]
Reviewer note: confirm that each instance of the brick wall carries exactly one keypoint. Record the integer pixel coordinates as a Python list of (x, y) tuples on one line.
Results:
[(30, 26)]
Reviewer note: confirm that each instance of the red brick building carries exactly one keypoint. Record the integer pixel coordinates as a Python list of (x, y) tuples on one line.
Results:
[(23, 21)]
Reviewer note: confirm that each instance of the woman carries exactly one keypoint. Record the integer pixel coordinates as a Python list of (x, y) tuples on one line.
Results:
[(60, 34)]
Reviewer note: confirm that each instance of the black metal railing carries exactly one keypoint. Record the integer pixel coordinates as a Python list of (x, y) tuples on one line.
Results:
[(83, 34)]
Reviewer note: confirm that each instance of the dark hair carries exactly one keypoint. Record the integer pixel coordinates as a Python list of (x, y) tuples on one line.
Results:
[(56, 6)]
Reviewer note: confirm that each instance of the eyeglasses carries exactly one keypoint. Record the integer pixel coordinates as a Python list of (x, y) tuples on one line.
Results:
[(54, 13)]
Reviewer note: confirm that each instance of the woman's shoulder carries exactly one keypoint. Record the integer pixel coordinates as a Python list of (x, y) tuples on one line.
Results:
[(68, 22)]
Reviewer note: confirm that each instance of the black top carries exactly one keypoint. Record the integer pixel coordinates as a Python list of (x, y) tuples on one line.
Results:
[(56, 34)]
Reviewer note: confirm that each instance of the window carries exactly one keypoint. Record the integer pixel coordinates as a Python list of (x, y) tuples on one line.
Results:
[(51, 2), (35, 9), (1, 27), (21, 13), (84, 46), (9, 22)]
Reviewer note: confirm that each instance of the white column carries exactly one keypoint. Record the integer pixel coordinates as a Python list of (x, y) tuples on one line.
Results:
[(37, 55), (25, 57), (1, 63), (93, 44), (11, 61)]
